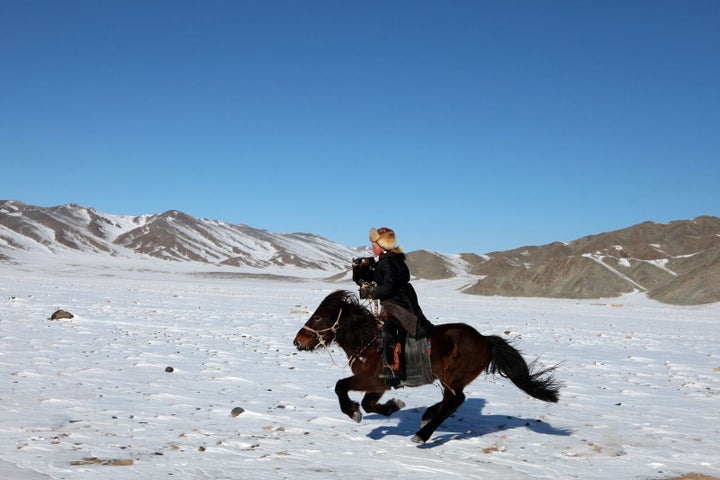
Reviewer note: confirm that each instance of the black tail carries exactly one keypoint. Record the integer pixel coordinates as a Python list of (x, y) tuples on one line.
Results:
[(509, 363)]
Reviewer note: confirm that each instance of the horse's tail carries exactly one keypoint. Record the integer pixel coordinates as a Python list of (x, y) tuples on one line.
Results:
[(508, 362)]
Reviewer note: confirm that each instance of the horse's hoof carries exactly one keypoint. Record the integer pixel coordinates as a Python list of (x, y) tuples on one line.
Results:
[(417, 439), (357, 416), (399, 403)]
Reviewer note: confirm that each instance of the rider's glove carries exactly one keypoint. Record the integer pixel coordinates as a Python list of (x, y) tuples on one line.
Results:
[(365, 291)]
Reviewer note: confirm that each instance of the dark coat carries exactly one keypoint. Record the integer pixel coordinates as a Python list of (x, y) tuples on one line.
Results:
[(397, 295)]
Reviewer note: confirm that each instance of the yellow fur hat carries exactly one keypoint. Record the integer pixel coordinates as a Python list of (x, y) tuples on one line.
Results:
[(384, 237)]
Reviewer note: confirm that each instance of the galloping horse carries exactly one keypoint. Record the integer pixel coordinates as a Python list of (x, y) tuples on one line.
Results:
[(459, 354)]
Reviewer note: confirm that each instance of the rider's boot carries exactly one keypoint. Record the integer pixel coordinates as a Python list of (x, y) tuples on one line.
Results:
[(391, 363)]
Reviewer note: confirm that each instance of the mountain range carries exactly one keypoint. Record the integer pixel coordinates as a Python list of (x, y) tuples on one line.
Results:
[(676, 262), (172, 236)]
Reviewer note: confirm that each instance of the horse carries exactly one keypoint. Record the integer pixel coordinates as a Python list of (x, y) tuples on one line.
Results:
[(459, 353)]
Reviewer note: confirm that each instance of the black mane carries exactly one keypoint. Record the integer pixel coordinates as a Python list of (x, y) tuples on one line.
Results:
[(358, 327)]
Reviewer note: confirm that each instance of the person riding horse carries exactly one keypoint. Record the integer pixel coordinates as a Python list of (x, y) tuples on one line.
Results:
[(401, 311)]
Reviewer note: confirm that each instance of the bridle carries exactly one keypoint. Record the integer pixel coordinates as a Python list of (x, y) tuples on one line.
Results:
[(320, 333)]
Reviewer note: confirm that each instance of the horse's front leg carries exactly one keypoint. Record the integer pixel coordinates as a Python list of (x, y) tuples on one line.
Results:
[(374, 388), (347, 406), (370, 404)]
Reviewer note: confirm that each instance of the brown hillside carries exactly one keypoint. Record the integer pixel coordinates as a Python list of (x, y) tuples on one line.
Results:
[(677, 262), (559, 277), (428, 265), (701, 285)]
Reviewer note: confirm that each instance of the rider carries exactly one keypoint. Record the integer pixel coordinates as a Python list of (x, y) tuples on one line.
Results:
[(401, 313)]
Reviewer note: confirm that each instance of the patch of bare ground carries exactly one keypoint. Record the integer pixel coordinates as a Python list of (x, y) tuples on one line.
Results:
[(694, 476), (117, 462)]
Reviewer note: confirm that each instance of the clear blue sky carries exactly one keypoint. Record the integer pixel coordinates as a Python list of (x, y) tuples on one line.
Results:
[(467, 126)]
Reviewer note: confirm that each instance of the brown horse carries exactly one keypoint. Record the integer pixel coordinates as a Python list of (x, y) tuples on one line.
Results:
[(459, 354)]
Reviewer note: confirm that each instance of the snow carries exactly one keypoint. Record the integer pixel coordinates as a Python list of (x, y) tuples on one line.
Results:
[(599, 260), (661, 263), (90, 397)]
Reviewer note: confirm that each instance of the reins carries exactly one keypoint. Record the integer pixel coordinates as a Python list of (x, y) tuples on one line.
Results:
[(376, 314)]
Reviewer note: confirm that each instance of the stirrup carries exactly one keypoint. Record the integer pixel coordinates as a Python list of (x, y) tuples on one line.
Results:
[(388, 373)]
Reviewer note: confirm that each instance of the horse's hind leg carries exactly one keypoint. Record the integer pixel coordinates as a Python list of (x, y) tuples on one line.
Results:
[(370, 404), (430, 413), (451, 401)]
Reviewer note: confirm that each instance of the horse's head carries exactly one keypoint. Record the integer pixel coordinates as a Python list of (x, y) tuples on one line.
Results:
[(323, 323)]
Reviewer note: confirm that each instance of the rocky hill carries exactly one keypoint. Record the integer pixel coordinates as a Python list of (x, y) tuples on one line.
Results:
[(677, 262)]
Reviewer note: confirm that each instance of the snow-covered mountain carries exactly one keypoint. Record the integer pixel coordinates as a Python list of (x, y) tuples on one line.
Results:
[(676, 262), (172, 235)]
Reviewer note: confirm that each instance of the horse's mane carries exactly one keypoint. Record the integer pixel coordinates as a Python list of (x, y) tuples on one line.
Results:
[(359, 327), (339, 298)]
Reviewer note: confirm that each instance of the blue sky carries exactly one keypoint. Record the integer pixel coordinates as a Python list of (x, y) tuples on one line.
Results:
[(467, 126)]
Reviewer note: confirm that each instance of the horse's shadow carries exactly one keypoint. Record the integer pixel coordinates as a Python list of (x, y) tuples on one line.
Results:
[(467, 422)]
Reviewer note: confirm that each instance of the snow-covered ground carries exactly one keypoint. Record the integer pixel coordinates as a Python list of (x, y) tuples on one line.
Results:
[(90, 397)]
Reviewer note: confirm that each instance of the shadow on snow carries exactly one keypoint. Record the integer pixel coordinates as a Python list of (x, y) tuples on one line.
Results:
[(467, 422)]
